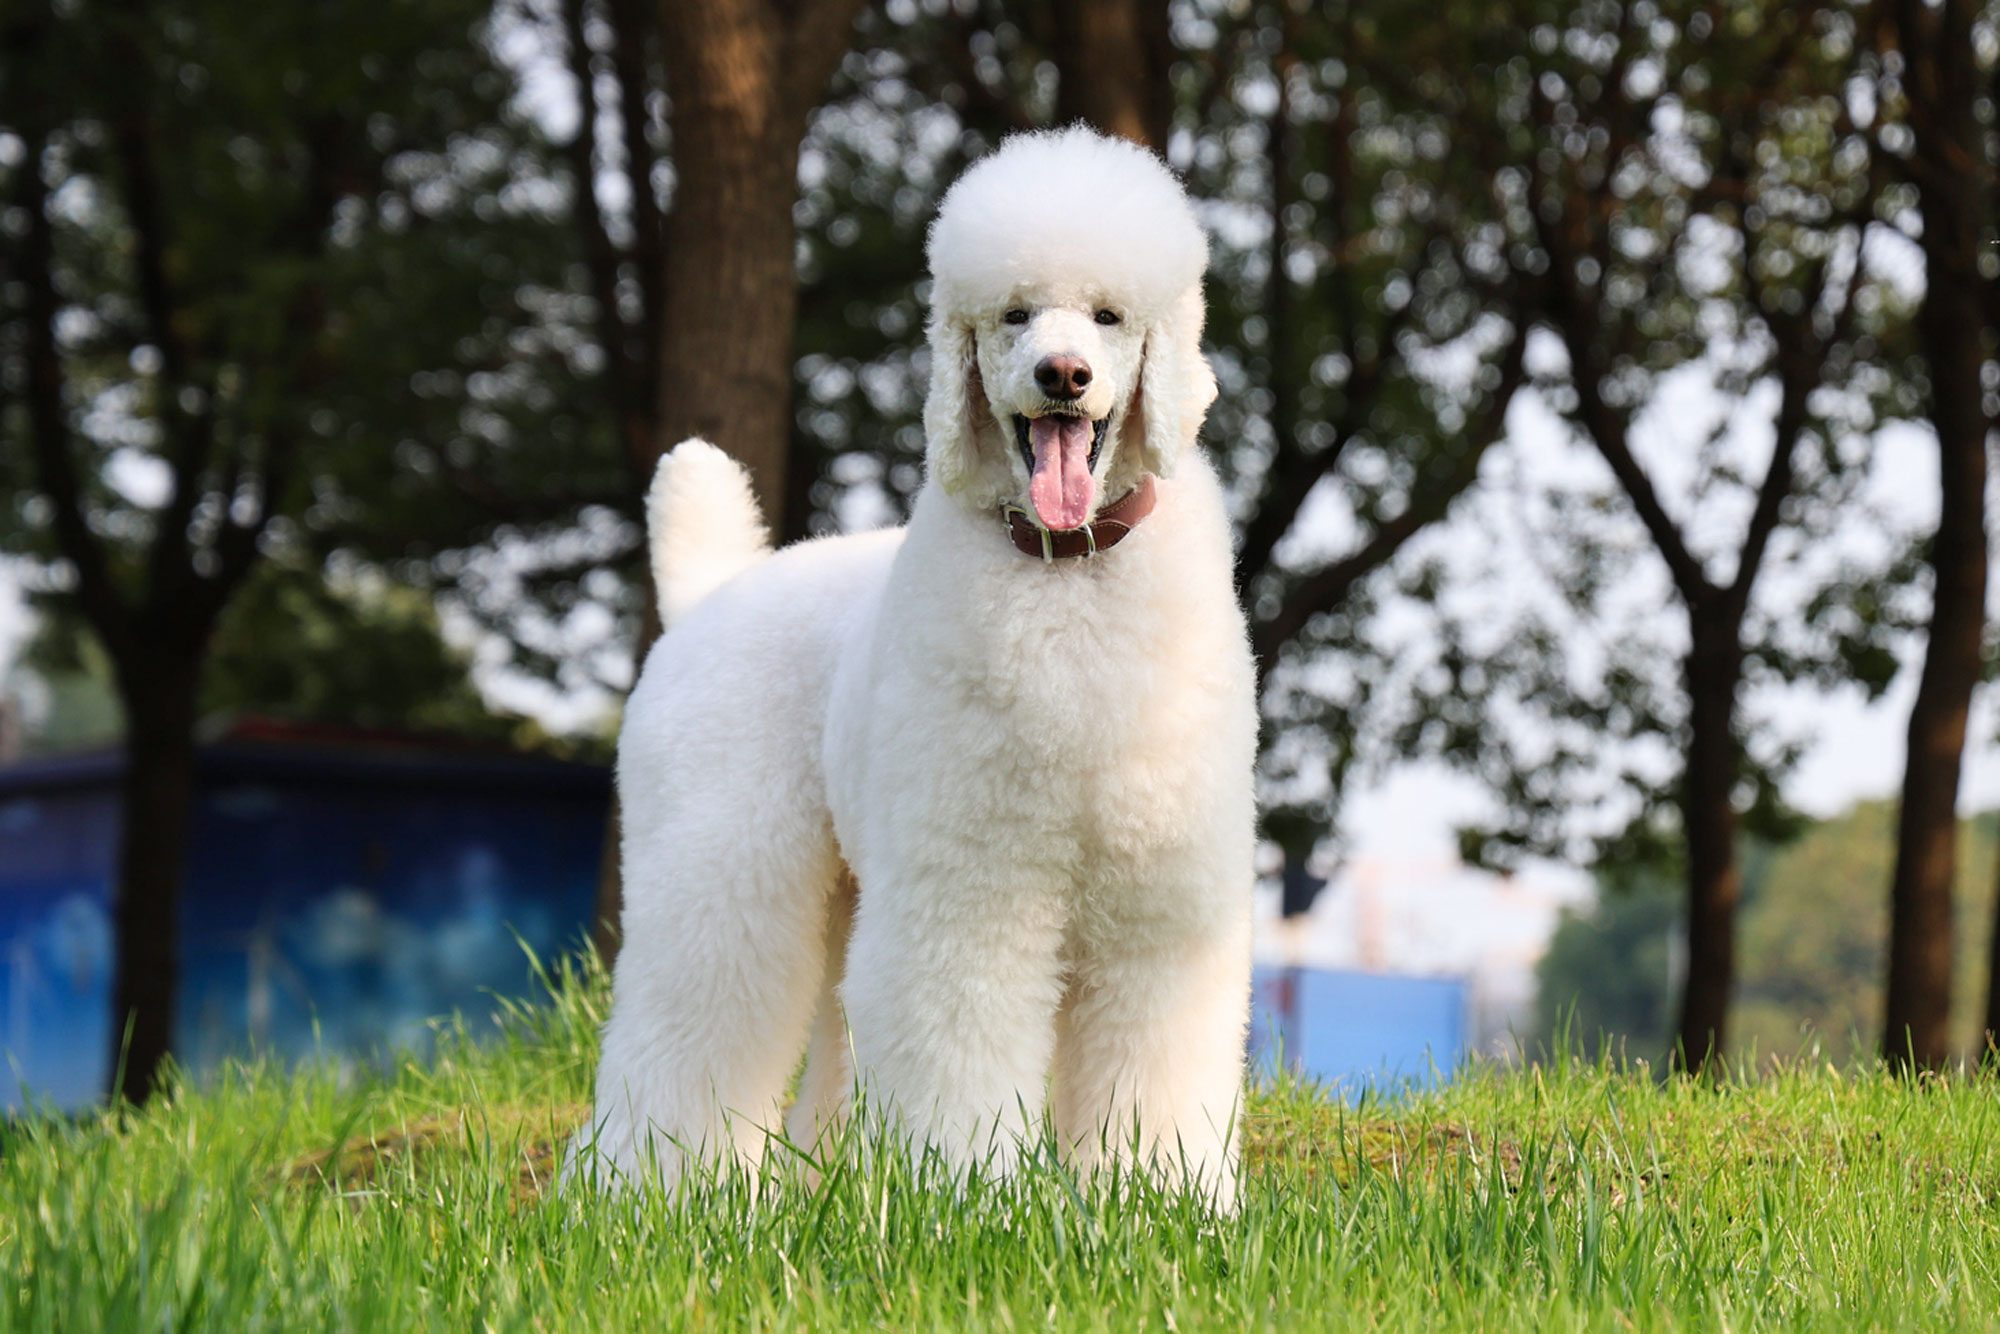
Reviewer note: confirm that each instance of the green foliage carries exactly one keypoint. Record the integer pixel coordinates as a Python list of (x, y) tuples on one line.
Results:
[(76, 706), (1607, 979), (1685, 193), (1815, 937), (294, 647), (298, 646), (1811, 951), (315, 292), (1573, 1196)]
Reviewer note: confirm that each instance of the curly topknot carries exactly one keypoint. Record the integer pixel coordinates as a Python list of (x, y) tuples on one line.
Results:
[(1048, 206)]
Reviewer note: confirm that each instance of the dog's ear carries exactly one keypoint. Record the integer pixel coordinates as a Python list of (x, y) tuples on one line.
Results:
[(1175, 386), (951, 410)]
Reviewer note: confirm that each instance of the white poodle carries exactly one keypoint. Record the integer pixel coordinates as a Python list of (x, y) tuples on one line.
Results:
[(968, 802)]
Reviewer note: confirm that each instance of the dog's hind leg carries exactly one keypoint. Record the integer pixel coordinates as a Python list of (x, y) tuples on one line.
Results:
[(828, 1082), (726, 938)]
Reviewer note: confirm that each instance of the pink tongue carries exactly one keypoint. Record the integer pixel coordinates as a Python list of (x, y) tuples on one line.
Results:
[(1062, 486)]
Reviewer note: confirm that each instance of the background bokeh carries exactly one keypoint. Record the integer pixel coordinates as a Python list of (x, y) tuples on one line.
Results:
[(1606, 390)]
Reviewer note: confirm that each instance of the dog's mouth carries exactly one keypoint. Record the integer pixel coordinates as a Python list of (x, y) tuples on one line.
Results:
[(1060, 449)]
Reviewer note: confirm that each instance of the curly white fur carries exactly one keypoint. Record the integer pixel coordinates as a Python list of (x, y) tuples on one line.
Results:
[(702, 515), (984, 823)]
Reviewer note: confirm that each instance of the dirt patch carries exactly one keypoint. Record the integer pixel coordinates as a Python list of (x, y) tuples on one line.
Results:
[(1325, 1143), (362, 1163), (1343, 1146)]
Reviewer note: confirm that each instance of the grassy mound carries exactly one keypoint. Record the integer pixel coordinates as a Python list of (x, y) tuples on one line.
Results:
[(1570, 1197)]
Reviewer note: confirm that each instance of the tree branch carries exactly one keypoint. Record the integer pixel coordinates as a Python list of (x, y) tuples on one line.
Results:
[(1607, 429), (600, 255), (1771, 495), (236, 545), (1574, 315), (1293, 472), (631, 62), (1327, 588), (818, 35), (190, 433), (48, 421)]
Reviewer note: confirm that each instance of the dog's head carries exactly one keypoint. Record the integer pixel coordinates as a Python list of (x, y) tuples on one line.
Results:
[(1065, 328)]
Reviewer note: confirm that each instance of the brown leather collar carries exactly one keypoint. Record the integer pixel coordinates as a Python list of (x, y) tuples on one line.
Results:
[(1113, 522)]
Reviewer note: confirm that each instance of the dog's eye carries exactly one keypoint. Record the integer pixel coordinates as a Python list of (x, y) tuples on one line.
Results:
[(1016, 316), (1107, 317)]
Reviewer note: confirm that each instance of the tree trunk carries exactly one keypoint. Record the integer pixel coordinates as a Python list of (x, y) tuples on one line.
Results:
[(1708, 812), (157, 800), (1917, 1024), (606, 930), (1990, 1037), (1950, 319), (730, 293), (607, 913), (1114, 59)]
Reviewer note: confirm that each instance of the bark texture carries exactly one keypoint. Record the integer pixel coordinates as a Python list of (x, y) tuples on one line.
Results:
[(1940, 83), (743, 76), (156, 800), (1916, 1025), (1115, 58), (1714, 672)]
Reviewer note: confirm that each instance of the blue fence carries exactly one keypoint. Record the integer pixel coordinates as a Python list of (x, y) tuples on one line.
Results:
[(337, 897), (1357, 1031), (340, 896)]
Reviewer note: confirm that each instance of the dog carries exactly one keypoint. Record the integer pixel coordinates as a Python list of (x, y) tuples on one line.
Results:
[(964, 810)]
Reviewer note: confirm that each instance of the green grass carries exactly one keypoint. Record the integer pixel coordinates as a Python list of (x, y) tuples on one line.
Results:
[(1579, 1196)]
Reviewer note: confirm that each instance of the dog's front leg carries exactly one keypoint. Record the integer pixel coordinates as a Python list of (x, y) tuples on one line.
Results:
[(1149, 1060), (951, 994)]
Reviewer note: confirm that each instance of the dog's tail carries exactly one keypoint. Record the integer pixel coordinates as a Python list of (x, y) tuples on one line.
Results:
[(702, 525)]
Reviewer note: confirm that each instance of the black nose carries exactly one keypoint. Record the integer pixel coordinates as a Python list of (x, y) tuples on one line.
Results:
[(1062, 377)]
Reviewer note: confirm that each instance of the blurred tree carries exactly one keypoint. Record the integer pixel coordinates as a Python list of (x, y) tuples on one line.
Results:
[(743, 77), (1372, 345), (1115, 60), (1607, 978), (613, 48), (1936, 79), (351, 650), (65, 695), (1685, 197), (253, 258), (1814, 936)]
